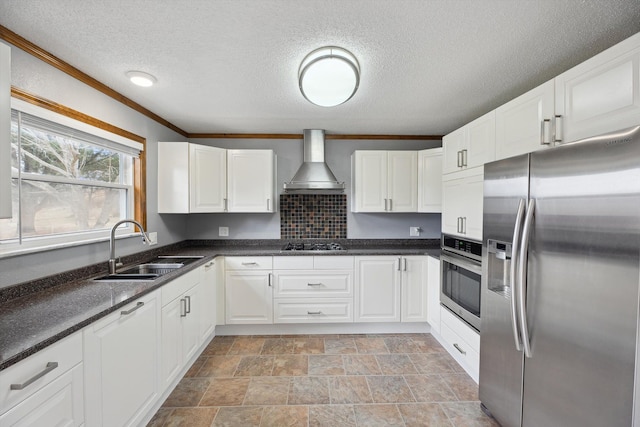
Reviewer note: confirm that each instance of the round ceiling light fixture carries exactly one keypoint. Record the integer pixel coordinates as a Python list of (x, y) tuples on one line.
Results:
[(329, 76), (141, 79)]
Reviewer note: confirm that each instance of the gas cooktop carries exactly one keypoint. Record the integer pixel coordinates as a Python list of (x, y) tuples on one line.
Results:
[(315, 247)]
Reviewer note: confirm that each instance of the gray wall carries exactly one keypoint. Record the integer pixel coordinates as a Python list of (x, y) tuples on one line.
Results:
[(338, 157)]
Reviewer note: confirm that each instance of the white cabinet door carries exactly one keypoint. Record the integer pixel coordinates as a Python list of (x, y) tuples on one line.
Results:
[(171, 341), (453, 144), (433, 293), (462, 199), (600, 95), (250, 184), (122, 355), (173, 177), (414, 289), (207, 178), (208, 299), (369, 171), (249, 297), (5, 131), (402, 181), (430, 180), (472, 145), (524, 124), (377, 290)]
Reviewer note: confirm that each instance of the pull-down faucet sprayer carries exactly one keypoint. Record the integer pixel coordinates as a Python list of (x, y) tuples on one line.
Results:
[(113, 262)]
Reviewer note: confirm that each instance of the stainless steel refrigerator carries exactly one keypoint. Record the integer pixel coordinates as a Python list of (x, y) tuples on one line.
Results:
[(560, 284)]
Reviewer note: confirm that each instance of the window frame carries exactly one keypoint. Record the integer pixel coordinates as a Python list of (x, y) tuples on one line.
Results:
[(40, 107)]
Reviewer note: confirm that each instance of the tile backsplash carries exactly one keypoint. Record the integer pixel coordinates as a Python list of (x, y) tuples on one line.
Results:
[(313, 216)]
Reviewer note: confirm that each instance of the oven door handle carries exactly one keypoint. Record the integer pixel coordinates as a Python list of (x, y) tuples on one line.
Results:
[(517, 229), (461, 262)]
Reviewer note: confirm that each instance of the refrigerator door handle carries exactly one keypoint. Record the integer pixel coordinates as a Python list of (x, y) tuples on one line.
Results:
[(522, 277), (513, 273)]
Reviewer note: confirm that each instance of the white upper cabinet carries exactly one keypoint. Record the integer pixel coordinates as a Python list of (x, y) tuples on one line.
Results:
[(462, 200), (525, 124), (5, 131), (385, 181), (430, 180), (600, 95), (470, 146), (250, 181), (191, 178)]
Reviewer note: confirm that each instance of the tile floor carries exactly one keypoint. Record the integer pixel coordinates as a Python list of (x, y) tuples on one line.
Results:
[(324, 380)]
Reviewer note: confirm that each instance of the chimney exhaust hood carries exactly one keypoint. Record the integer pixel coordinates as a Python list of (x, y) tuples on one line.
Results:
[(314, 176)]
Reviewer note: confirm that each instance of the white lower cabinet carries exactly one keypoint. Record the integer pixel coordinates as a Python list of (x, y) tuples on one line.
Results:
[(248, 290), (46, 389), (313, 289), (461, 341), (208, 301), (121, 364), (181, 323), (433, 293), (391, 289)]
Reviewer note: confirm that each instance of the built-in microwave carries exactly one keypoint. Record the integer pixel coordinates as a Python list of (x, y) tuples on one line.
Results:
[(461, 272)]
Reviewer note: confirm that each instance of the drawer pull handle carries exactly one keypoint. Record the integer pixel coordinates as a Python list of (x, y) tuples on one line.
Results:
[(188, 298), (138, 305), (50, 367), (459, 349), (314, 284), (249, 263), (314, 312)]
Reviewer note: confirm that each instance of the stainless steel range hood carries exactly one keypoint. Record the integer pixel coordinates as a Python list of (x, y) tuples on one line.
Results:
[(314, 176)]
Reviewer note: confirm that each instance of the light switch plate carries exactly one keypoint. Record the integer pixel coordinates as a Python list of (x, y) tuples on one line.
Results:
[(223, 231), (414, 231)]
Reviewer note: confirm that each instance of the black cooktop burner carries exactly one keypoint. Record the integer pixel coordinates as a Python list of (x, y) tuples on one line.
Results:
[(332, 246)]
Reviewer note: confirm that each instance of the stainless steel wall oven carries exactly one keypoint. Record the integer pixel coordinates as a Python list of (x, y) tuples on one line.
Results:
[(461, 265)]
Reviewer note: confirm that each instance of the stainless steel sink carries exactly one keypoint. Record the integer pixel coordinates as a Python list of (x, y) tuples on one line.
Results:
[(150, 270)]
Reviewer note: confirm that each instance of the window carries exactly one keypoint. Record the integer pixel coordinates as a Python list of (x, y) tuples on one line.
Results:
[(68, 185)]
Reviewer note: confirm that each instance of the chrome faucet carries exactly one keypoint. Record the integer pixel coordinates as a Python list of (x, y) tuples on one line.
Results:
[(113, 262)]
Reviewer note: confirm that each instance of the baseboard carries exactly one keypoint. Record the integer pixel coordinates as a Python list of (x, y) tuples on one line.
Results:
[(325, 328)]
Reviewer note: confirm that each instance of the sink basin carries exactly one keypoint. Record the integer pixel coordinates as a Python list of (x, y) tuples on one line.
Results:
[(152, 268)]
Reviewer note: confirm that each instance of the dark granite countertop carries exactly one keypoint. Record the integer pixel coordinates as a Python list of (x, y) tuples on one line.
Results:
[(36, 314)]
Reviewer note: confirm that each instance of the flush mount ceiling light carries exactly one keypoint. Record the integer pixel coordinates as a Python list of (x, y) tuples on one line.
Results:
[(329, 76), (141, 79)]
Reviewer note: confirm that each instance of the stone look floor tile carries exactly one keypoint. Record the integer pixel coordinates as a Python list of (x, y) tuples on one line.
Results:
[(245, 416), (193, 370), (401, 345), (433, 363), (340, 346), (267, 391), (285, 416), (217, 347), (160, 417), (467, 414), (277, 346), (326, 365), (254, 366), (396, 364), (290, 365), (244, 345), (378, 415), (371, 345), (361, 364), (462, 385), (219, 366), (389, 389), (309, 391), (430, 388), (188, 392), (225, 392), (424, 414), (191, 417), (308, 346), (349, 389), (332, 416)]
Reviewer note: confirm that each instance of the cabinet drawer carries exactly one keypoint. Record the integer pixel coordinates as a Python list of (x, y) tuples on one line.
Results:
[(248, 263), (462, 348), (333, 262), (460, 328), (293, 262), (313, 310), (179, 286), (66, 353), (309, 283)]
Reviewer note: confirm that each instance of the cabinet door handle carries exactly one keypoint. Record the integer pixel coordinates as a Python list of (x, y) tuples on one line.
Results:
[(459, 226), (226, 204), (138, 305), (314, 284), (390, 205), (314, 312), (268, 205), (48, 368), (558, 129), (385, 204), (188, 298), (464, 157), (459, 159), (464, 225), (545, 132), (270, 278), (459, 349), (183, 307), (399, 264), (404, 264)]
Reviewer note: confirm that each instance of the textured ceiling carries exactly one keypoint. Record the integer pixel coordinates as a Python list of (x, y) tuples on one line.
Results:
[(428, 66)]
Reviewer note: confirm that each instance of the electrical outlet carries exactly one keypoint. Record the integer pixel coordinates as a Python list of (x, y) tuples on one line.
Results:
[(153, 238), (414, 231), (223, 231)]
